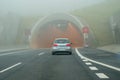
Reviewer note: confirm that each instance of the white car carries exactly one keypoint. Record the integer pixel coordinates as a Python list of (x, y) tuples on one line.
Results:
[(61, 45)]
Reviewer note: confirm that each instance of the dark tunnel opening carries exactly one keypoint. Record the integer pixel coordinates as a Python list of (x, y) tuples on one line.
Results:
[(57, 29)]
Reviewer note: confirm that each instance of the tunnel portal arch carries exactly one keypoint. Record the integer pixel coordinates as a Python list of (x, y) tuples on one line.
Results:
[(41, 26)]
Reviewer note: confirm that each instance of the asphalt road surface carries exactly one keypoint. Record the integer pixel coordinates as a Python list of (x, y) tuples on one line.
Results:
[(83, 64)]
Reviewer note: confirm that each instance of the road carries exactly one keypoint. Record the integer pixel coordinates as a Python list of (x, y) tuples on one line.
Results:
[(83, 64)]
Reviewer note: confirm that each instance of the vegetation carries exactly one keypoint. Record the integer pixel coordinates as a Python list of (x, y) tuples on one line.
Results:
[(98, 18)]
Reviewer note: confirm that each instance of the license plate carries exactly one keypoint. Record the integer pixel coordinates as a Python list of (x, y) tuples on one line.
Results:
[(61, 46), (62, 49)]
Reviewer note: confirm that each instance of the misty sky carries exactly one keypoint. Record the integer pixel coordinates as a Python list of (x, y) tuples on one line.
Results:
[(25, 7)]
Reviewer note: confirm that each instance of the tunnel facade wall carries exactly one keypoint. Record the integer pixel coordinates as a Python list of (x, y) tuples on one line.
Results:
[(43, 34)]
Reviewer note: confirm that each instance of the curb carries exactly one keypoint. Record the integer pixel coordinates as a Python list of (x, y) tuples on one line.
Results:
[(13, 50)]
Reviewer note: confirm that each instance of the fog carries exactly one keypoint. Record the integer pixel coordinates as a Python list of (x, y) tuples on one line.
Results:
[(18, 17), (28, 7)]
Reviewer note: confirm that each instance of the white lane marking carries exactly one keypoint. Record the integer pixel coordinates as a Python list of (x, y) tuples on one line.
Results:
[(88, 63), (81, 56), (100, 63), (102, 75), (85, 60), (41, 53), (93, 68), (10, 67)]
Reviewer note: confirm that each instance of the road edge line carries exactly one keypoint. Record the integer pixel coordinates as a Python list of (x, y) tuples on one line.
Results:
[(96, 62)]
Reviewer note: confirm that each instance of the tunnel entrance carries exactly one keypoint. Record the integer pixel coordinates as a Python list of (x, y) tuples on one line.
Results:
[(57, 29)]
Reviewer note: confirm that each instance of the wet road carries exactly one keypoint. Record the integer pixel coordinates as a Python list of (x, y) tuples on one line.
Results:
[(41, 65)]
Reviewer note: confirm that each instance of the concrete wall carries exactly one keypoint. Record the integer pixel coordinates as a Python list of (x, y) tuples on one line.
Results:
[(115, 27)]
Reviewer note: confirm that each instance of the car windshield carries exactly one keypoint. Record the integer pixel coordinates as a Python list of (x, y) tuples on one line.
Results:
[(62, 41)]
